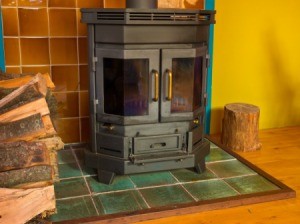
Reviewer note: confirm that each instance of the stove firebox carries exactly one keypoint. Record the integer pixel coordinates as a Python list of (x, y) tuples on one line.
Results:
[(147, 71)]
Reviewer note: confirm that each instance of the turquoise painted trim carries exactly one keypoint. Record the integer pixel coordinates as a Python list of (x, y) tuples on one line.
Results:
[(209, 5), (2, 58)]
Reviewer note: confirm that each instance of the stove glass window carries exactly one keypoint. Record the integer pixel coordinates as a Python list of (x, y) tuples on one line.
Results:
[(187, 84), (126, 86)]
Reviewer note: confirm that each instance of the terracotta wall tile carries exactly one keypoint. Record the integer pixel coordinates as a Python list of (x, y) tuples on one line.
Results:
[(84, 77), (63, 22), (114, 3), (83, 50), (84, 104), (90, 3), (36, 69), (12, 51), (85, 129), (81, 27), (68, 104), (33, 3), (10, 22), (33, 22), (9, 2), (35, 51), (68, 129), (13, 70), (63, 50), (65, 78), (63, 3)]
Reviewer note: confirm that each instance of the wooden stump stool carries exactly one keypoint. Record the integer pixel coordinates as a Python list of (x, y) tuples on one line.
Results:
[(240, 127)]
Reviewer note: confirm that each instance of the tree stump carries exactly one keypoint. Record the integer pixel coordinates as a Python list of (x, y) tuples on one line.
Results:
[(240, 127)]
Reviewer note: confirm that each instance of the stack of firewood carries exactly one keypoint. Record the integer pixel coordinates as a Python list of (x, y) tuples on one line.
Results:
[(28, 147)]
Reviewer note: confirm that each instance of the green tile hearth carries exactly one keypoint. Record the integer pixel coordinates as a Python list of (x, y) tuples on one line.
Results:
[(251, 184), (119, 183), (166, 195), (231, 168), (69, 170), (65, 156), (153, 179), (217, 154), (74, 208), (80, 195), (116, 202), (188, 175), (71, 188), (210, 189)]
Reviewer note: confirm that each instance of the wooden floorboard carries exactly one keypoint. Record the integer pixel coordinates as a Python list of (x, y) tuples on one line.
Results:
[(280, 157)]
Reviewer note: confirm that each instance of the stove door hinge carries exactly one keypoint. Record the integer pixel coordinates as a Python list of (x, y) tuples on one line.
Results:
[(94, 60), (207, 60), (96, 102)]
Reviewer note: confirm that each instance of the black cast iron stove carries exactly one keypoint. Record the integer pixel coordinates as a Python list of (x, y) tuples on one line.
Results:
[(147, 69)]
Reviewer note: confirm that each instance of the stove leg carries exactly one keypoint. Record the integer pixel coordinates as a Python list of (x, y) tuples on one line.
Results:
[(105, 177), (200, 166)]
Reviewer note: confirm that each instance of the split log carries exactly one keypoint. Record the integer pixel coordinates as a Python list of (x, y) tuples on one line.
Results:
[(19, 206), (20, 81), (27, 129), (13, 178), (38, 106), (54, 143), (240, 127), (18, 155), (13, 98)]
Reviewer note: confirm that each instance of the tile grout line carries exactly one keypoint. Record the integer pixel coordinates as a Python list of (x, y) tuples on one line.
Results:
[(84, 178), (137, 189), (49, 42), (181, 184), (220, 161), (222, 179)]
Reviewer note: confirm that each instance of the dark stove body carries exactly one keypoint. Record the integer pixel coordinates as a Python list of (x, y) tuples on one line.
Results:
[(147, 89)]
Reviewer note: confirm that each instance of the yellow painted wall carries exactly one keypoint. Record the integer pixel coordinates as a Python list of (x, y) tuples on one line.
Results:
[(257, 60)]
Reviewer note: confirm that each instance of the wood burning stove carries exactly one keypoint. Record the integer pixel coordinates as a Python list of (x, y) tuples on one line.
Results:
[(148, 71)]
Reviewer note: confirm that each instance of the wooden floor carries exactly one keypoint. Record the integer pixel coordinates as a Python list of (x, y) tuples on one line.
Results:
[(280, 157)]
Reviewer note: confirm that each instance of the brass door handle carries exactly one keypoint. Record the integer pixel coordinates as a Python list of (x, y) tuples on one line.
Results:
[(170, 84), (156, 85)]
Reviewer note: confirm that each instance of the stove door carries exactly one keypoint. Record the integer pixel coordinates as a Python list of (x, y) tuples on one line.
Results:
[(183, 84), (127, 86)]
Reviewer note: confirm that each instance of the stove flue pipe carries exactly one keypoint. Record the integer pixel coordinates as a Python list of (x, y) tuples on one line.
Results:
[(141, 4)]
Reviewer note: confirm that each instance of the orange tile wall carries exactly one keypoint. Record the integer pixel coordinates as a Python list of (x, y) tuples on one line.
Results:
[(47, 36)]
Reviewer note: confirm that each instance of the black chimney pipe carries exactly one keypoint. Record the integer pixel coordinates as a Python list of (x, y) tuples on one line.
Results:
[(141, 4)]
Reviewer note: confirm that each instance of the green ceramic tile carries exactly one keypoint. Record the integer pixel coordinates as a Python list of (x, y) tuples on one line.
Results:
[(69, 170), (153, 179), (125, 201), (87, 171), (217, 154), (119, 183), (187, 175), (74, 208), (229, 168), (70, 188), (210, 189), (167, 195), (65, 156), (79, 153), (251, 184)]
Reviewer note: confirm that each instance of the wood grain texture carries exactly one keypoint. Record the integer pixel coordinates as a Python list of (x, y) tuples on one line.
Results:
[(279, 156), (18, 206)]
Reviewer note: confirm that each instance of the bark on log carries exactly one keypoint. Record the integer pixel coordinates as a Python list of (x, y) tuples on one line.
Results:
[(18, 155), (38, 106), (240, 127), (27, 129), (19, 206), (13, 178), (54, 143)]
